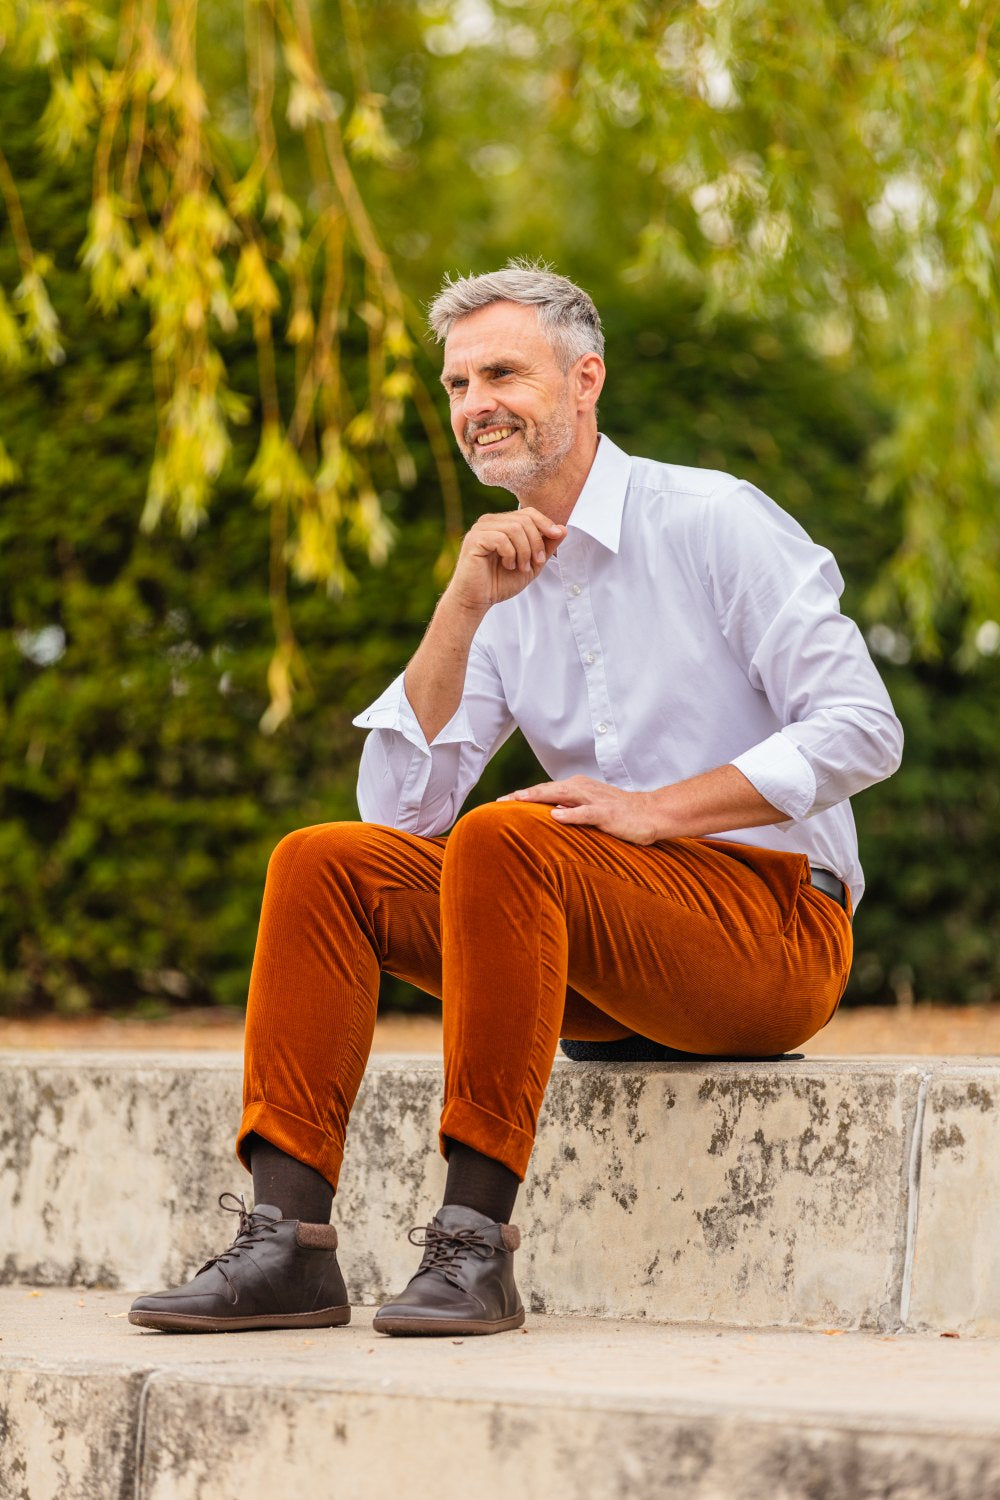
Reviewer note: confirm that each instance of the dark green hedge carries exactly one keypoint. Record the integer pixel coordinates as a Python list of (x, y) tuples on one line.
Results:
[(138, 800)]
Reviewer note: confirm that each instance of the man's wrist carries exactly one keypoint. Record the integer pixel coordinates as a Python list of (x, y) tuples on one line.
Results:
[(663, 814), (461, 613)]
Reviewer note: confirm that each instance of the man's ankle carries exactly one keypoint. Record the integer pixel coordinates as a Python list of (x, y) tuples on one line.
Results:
[(292, 1185), (480, 1182)]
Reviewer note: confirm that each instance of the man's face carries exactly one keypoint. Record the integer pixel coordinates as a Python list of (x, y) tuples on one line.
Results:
[(512, 408)]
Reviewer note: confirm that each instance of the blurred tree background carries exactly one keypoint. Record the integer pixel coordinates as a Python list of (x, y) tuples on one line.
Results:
[(227, 505)]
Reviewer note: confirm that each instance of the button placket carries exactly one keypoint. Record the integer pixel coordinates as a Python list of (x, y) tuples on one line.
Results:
[(580, 609)]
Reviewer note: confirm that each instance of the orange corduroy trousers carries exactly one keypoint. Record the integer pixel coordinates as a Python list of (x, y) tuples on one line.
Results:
[(528, 930)]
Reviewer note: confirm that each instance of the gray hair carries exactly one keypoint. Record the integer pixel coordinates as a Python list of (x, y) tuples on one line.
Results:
[(565, 312)]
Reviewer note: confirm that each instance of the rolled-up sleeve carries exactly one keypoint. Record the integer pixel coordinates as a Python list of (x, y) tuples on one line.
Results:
[(776, 595), (409, 784)]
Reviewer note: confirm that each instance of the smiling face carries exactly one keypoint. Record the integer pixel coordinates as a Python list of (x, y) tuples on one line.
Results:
[(517, 415)]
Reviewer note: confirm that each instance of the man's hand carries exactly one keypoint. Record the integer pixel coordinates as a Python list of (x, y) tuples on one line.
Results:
[(712, 802), (580, 799), (501, 555)]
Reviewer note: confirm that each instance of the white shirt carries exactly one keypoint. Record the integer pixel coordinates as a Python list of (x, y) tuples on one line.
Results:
[(685, 622)]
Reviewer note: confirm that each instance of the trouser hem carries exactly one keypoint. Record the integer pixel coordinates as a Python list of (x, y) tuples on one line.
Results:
[(297, 1137), (469, 1123)]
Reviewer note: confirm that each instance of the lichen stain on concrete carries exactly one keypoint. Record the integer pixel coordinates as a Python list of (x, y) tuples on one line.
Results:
[(692, 1455), (718, 1227), (788, 1263), (979, 1096), (364, 1277), (961, 1097), (731, 1096), (508, 1430), (50, 1096), (588, 1197), (591, 1098), (946, 1139)]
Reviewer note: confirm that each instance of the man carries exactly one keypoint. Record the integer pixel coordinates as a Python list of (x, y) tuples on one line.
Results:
[(670, 643)]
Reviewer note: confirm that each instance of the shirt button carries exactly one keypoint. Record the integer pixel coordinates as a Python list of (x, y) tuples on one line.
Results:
[(590, 658), (601, 728), (576, 589)]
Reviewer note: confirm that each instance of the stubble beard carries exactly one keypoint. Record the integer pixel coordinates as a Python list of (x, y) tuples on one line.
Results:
[(536, 459)]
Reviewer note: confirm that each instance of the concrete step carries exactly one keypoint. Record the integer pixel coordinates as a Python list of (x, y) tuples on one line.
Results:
[(825, 1193), (567, 1409)]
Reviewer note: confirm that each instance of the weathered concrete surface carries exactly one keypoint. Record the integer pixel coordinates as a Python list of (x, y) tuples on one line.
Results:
[(67, 1432), (755, 1194), (568, 1408), (372, 1444), (956, 1262), (750, 1193), (108, 1163)]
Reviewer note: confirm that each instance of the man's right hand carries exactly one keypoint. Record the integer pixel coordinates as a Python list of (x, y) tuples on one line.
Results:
[(501, 555)]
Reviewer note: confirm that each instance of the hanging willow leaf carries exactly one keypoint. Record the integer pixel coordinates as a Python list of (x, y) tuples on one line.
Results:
[(205, 248)]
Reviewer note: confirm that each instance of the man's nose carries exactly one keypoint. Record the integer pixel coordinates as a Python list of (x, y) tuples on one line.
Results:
[(478, 400)]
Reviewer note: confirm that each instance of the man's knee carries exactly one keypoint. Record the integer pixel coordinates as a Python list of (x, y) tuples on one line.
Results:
[(308, 852), (498, 829)]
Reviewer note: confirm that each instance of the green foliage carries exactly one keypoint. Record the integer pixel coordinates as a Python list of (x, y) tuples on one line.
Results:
[(309, 166), (930, 924), (138, 799)]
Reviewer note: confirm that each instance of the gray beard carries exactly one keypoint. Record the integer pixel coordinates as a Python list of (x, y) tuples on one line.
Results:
[(530, 468)]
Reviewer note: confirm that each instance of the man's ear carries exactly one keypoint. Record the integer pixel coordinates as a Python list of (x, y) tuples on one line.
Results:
[(588, 380)]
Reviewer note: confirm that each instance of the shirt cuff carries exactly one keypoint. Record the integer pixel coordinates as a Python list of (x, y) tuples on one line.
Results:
[(392, 710), (782, 775)]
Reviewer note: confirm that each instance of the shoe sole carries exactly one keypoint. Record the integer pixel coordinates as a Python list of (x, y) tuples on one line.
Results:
[(431, 1327), (326, 1317)]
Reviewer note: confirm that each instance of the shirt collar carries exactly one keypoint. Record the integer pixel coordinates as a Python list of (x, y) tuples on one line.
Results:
[(599, 506)]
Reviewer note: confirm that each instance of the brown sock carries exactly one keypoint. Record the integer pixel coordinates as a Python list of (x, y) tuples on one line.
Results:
[(297, 1189), (477, 1181)]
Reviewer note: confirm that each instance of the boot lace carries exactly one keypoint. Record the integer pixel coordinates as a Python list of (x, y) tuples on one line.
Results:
[(443, 1249), (253, 1230)]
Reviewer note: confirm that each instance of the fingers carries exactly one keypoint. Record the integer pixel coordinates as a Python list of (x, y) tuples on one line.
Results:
[(500, 544), (567, 806), (522, 540), (550, 533), (583, 813), (570, 793)]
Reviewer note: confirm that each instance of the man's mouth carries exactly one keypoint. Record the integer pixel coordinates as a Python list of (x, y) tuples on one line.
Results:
[(491, 436)]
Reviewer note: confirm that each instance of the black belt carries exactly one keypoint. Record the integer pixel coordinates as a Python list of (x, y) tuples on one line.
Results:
[(828, 883)]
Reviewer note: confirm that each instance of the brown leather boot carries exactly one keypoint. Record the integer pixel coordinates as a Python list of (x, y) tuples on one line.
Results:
[(277, 1273), (465, 1282)]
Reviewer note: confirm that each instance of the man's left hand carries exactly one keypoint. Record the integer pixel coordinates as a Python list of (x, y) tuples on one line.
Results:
[(581, 799)]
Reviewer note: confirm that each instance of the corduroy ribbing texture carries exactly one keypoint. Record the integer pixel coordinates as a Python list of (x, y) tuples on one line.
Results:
[(529, 930)]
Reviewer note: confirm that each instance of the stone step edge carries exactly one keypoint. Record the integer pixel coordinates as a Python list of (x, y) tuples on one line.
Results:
[(140, 1415), (919, 1073)]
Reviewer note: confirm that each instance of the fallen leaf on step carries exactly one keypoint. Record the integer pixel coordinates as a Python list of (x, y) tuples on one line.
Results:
[(951, 1335), (34, 1294), (832, 1333)]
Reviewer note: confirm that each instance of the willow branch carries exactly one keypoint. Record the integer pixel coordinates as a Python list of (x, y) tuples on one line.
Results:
[(19, 229)]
